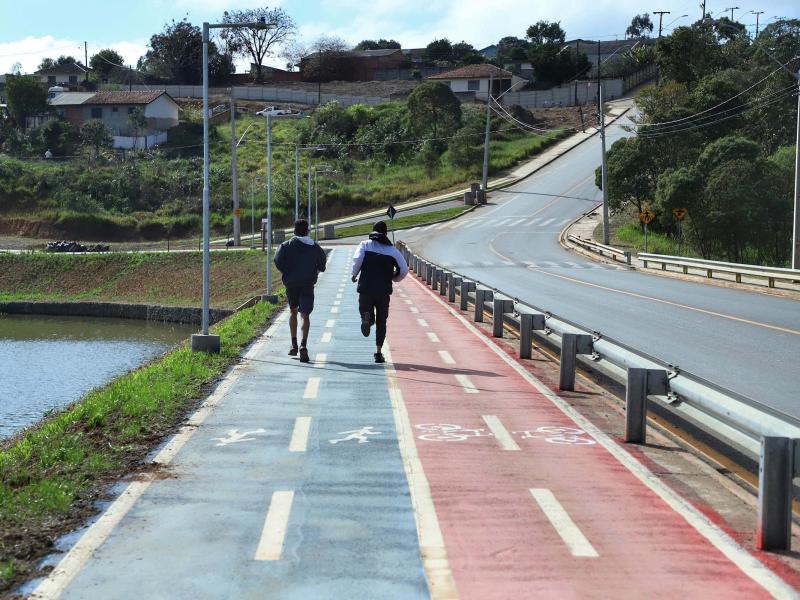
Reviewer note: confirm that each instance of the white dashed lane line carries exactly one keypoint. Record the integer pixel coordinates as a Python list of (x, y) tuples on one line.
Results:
[(299, 441), (446, 357), (312, 388), (500, 432), (422, 322), (326, 338), (433, 337), (270, 547), (465, 383), (577, 543)]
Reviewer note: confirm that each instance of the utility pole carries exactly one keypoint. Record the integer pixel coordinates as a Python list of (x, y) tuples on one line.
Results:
[(732, 8), (660, 14), (703, 5), (796, 233), (86, 61), (296, 182), (130, 78), (604, 168), (756, 13), (485, 178), (237, 225)]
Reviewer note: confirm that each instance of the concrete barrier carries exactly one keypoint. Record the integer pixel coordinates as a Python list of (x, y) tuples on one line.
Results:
[(144, 312)]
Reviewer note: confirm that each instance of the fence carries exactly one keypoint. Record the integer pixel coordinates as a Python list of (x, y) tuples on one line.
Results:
[(743, 424), (690, 266), (143, 141), (266, 94), (585, 92)]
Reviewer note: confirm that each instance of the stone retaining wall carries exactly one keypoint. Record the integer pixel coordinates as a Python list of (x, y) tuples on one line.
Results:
[(145, 312)]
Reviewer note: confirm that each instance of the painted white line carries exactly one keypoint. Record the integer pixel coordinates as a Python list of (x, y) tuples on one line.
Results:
[(515, 223), (465, 382), (337, 302), (500, 432), (334, 309), (472, 223), (312, 388), (270, 547), (73, 561), (320, 360), (422, 322), (532, 221), (441, 585), (338, 296), (299, 441), (330, 323), (326, 338), (577, 543), (446, 357), (458, 223), (745, 561), (487, 263), (546, 222), (408, 301), (509, 263), (433, 337), (413, 309)]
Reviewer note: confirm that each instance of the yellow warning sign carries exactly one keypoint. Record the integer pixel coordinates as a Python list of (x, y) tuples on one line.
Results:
[(646, 216), (237, 211), (679, 213)]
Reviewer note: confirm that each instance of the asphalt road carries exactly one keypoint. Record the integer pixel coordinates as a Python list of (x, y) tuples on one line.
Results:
[(745, 341)]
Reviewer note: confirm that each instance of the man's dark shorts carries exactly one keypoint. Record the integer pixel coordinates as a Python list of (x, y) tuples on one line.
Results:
[(301, 297)]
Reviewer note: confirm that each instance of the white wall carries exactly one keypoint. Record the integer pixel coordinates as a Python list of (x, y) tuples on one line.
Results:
[(162, 113), (141, 142)]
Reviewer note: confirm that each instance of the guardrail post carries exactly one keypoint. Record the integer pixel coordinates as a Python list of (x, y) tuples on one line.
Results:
[(481, 297), (464, 290), (500, 308), (528, 323), (628, 258), (572, 344), (455, 282), (775, 470), (641, 383), (429, 273)]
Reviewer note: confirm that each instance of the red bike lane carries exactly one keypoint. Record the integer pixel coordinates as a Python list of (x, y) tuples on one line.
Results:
[(532, 504)]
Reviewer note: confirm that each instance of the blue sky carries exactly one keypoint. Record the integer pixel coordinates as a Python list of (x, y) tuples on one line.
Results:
[(33, 29)]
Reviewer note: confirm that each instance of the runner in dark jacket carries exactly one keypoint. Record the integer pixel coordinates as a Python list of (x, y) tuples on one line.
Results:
[(379, 264), (300, 260)]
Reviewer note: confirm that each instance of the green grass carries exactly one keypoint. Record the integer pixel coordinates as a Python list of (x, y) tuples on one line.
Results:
[(54, 468), (630, 235), (406, 222)]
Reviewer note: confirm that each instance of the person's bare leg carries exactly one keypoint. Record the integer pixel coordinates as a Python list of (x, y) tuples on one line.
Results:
[(304, 342), (293, 327)]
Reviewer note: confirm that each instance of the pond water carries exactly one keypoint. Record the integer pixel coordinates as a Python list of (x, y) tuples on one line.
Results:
[(48, 362)]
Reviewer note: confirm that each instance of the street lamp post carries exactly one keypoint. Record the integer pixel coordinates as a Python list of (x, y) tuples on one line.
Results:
[(488, 133), (316, 169), (297, 151), (204, 341)]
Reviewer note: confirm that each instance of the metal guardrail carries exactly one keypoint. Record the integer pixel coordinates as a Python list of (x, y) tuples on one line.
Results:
[(771, 274), (759, 431), (613, 253)]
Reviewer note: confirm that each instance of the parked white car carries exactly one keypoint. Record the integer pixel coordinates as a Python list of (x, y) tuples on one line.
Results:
[(273, 111)]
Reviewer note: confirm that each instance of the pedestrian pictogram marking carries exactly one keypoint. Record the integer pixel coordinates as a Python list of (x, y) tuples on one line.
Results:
[(359, 435), (235, 437)]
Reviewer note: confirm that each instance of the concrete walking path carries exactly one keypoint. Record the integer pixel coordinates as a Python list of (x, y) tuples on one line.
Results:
[(448, 472)]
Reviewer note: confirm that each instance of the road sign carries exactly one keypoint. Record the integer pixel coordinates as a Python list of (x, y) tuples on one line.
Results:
[(646, 216), (391, 212), (680, 213), (237, 211)]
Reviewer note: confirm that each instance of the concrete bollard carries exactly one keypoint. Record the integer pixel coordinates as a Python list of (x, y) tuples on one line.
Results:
[(572, 344), (439, 279), (528, 323), (465, 289), (641, 383), (469, 198), (481, 197), (775, 471), (501, 307), (329, 232), (444, 282), (429, 270), (481, 298), (455, 282)]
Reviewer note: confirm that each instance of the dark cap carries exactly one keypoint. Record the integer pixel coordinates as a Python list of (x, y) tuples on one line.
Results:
[(380, 227)]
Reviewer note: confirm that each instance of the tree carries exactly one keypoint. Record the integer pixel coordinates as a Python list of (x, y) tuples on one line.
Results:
[(433, 110), (511, 49), (325, 61), (381, 44), (26, 97), (57, 136), (104, 62), (640, 26), (465, 54), (688, 54), (439, 50), (258, 43), (137, 122), (545, 33), (94, 133), (49, 63), (551, 62), (632, 175), (176, 55)]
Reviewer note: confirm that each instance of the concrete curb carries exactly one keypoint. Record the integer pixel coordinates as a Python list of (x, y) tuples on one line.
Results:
[(144, 312), (445, 220)]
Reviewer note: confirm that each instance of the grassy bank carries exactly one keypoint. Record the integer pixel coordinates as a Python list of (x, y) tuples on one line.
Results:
[(405, 222), (52, 475), (629, 236), (172, 279)]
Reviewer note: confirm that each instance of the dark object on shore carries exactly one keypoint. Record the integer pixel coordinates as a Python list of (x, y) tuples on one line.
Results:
[(62, 246)]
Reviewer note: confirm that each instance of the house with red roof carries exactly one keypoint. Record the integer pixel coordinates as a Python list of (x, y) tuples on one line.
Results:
[(475, 79)]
